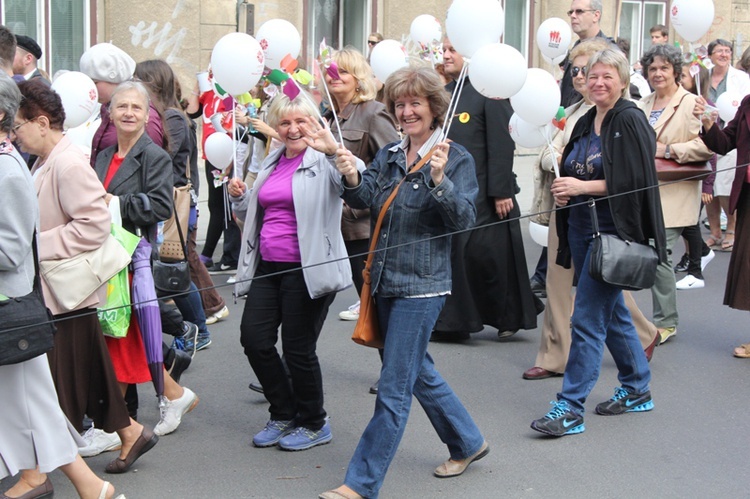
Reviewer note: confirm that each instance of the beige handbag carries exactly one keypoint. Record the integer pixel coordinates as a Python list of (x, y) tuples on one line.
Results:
[(72, 280), (171, 249)]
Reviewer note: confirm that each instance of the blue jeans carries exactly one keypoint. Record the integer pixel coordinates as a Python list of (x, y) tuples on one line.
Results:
[(599, 317), (408, 370), (191, 307)]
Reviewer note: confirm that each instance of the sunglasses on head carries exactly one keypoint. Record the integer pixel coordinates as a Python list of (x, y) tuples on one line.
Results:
[(578, 69)]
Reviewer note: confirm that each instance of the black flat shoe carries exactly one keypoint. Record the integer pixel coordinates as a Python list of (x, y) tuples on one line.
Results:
[(45, 490)]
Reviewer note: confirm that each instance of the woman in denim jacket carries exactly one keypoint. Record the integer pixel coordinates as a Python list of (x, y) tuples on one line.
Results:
[(411, 276)]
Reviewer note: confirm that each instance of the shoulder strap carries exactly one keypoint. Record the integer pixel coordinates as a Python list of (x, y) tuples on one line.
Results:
[(384, 209), (672, 116)]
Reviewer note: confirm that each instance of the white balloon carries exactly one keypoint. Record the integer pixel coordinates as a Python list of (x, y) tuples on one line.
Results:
[(692, 18), (497, 71), (470, 24), (539, 233), (79, 97), (237, 62), (553, 37), (386, 57), (554, 61), (528, 135), (426, 28), (278, 38), (728, 102), (219, 149), (539, 99)]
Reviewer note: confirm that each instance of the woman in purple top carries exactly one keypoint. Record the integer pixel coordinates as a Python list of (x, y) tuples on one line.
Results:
[(292, 262)]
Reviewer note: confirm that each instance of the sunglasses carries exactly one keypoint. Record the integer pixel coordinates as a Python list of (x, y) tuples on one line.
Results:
[(577, 69), (579, 12), (372, 42)]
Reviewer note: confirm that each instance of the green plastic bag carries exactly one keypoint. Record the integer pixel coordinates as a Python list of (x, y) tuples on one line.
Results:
[(114, 316)]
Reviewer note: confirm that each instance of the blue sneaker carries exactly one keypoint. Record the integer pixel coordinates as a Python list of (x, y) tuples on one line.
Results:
[(302, 438), (561, 420), (203, 341), (187, 342), (623, 401), (272, 433)]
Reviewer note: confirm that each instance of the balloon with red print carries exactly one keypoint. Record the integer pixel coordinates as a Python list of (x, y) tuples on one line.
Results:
[(553, 37), (237, 62), (691, 18), (278, 38)]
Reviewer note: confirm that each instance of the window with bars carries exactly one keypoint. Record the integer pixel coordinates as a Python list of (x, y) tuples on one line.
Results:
[(636, 19), (64, 31)]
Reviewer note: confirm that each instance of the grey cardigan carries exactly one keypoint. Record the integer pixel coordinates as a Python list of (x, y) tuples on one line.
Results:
[(315, 188), (16, 225)]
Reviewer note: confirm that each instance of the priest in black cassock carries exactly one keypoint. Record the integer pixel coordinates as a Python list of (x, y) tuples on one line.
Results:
[(490, 279)]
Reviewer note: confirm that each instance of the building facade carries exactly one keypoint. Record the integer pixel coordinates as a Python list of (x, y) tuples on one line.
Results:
[(183, 32)]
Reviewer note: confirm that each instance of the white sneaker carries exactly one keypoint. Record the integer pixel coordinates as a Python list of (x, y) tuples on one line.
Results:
[(690, 282), (706, 259), (173, 410), (214, 318), (351, 314), (98, 441), (232, 279)]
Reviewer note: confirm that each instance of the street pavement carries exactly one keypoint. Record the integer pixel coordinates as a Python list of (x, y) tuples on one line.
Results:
[(693, 444)]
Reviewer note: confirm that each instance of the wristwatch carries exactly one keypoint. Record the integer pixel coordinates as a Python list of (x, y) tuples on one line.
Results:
[(667, 154)]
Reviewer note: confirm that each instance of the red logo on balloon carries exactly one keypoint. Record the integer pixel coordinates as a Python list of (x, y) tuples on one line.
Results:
[(554, 37), (260, 56), (263, 43), (675, 10), (92, 94)]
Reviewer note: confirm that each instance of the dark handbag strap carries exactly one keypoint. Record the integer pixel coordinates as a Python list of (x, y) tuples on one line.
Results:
[(384, 208), (179, 230), (594, 217)]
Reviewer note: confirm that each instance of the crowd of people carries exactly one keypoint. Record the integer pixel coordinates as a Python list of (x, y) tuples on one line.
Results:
[(297, 214)]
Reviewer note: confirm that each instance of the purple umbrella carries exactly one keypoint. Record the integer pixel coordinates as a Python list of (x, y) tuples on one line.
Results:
[(147, 314)]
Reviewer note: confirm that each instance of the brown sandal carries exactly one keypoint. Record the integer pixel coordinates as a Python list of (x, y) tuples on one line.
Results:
[(727, 244), (742, 351), (714, 242)]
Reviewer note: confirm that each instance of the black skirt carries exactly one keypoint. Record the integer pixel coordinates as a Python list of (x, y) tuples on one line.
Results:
[(737, 291)]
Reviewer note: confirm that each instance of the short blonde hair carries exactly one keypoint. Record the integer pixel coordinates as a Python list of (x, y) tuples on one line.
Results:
[(281, 105), (614, 58), (417, 81), (589, 47), (352, 60)]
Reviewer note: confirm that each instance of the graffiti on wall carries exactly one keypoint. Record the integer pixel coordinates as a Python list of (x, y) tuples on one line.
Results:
[(166, 42)]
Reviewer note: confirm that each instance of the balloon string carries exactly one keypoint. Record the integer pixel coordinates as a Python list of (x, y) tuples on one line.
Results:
[(235, 173), (330, 100), (453, 104), (553, 153)]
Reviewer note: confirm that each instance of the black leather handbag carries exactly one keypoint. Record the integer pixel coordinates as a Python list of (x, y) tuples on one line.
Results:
[(625, 264), (172, 278), (26, 324)]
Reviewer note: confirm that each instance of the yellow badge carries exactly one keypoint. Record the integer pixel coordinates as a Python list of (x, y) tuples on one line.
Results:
[(464, 117)]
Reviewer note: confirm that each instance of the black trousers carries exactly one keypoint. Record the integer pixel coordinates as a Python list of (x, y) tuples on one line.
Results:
[(283, 300), (218, 214), (354, 248)]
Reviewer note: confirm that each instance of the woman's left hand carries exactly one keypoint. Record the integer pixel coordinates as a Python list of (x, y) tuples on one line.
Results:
[(564, 188), (438, 161), (318, 136)]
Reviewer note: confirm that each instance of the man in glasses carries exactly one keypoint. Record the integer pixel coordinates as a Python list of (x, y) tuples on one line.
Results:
[(584, 21)]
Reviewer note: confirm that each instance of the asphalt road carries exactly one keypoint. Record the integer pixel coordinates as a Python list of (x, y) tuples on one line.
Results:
[(693, 444)]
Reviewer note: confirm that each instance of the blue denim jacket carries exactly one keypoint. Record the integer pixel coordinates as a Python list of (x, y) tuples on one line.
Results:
[(411, 257)]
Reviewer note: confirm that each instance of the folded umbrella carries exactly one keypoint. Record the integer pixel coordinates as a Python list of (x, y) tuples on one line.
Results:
[(147, 314)]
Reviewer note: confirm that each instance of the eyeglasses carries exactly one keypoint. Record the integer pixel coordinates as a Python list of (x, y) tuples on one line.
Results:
[(577, 69), (15, 128), (579, 12), (726, 51)]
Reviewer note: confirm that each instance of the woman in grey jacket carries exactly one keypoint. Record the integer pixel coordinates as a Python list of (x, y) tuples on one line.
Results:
[(292, 263)]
